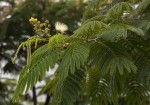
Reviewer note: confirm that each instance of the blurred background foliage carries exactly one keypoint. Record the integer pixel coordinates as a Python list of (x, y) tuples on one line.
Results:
[(15, 28)]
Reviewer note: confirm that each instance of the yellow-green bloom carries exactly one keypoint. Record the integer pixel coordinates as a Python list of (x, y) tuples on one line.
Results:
[(33, 20), (46, 31), (46, 21)]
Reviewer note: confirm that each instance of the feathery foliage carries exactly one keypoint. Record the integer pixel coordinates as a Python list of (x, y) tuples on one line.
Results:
[(97, 87), (142, 6), (90, 28), (118, 31), (74, 57), (105, 54), (135, 92), (72, 87), (117, 10), (39, 64), (110, 57)]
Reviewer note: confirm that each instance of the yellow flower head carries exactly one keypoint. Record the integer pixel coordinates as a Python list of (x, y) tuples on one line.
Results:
[(46, 21), (33, 20), (46, 31)]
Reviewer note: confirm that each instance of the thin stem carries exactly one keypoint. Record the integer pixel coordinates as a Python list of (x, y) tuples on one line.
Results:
[(47, 99), (34, 96)]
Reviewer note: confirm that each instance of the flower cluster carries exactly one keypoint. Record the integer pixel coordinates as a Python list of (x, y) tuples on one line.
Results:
[(40, 28)]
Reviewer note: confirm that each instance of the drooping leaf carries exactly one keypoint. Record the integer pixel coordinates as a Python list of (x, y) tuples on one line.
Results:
[(66, 92), (118, 31), (74, 57), (135, 91), (117, 10), (110, 58), (97, 87), (142, 6), (42, 59)]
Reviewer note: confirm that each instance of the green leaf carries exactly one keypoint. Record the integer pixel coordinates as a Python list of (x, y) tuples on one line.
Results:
[(97, 87), (117, 10), (138, 31), (66, 92), (90, 28), (142, 6), (110, 57), (58, 40), (74, 57), (40, 62), (135, 91), (118, 31)]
